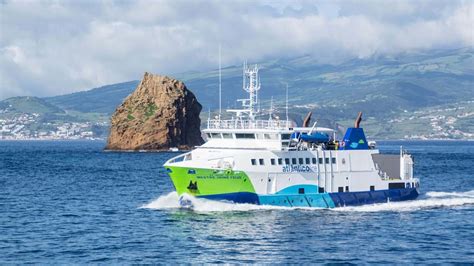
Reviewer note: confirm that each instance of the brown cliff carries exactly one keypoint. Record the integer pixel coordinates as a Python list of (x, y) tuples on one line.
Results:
[(160, 114)]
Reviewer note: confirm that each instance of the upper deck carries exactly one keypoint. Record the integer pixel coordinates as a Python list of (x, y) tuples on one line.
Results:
[(249, 124), (253, 134)]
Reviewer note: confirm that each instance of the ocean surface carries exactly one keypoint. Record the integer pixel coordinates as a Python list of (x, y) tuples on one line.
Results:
[(70, 202)]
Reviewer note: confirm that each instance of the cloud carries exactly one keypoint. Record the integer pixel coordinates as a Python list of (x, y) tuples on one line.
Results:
[(57, 47)]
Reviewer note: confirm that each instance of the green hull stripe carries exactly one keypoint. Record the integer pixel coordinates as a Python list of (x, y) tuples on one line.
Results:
[(202, 182)]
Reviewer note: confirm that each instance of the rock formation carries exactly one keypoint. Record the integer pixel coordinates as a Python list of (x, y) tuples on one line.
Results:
[(161, 113)]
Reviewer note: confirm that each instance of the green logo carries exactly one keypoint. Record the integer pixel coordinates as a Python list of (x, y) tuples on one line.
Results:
[(361, 141)]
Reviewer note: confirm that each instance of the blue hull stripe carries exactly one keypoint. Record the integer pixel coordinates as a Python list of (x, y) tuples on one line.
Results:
[(321, 200), (370, 197), (238, 197)]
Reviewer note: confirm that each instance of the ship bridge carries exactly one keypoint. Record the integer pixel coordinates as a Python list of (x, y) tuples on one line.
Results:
[(245, 131), (253, 134)]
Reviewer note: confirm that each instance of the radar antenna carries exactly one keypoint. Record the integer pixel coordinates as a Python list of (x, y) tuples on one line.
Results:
[(251, 84)]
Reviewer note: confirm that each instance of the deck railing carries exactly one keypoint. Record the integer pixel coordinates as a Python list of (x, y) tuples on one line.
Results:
[(248, 124)]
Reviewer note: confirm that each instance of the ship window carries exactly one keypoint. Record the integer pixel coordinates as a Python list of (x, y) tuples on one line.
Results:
[(320, 160), (300, 161), (285, 136), (320, 189), (327, 160), (272, 161), (208, 135), (280, 161), (314, 160), (307, 161), (244, 136), (347, 188), (372, 188), (287, 161), (191, 171), (261, 162), (254, 162), (227, 135), (216, 135), (284, 144), (333, 160), (270, 136), (293, 160), (396, 185), (301, 190), (340, 189)]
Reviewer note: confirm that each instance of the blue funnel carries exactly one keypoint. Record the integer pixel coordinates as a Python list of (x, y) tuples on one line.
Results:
[(354, 139)]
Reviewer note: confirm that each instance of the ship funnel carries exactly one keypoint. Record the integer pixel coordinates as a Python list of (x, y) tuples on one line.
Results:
[(358, 119), (354, 139), (307, 120)]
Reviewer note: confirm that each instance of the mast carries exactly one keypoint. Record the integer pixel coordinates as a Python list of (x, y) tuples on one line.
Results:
[(251, 84), (271, 110), (220, 84), (286, 102)]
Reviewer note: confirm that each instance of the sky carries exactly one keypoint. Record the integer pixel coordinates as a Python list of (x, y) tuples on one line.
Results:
[(57, 47)]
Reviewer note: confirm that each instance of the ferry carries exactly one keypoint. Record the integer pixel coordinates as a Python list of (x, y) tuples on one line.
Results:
[(275, 162)]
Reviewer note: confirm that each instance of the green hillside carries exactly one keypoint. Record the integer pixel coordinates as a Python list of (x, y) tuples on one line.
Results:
[(28, 104), (379, 85), (406, 82), (99, 100)]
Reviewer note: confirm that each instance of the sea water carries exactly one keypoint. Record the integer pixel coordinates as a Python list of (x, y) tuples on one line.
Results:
[(70, 202)]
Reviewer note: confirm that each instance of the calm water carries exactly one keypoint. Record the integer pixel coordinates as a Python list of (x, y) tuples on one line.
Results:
[(69, 202)]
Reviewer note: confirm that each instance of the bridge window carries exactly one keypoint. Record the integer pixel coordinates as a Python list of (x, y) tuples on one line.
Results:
[(308, 161), (313, 160), (300, 161), (333, 160), (340, 189), (372, 188), (287, 161), (270, 136), (227, 135), (285, 136), (293, 160), (261, 162), (244, 136), (208, 135), (327, 161), (272, 161), (216, 135), (280, 161), (254, 162), (284, 144), (320, 160)]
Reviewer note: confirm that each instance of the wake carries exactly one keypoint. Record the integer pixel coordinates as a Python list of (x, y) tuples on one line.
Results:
[(430, 200), (171, 201)]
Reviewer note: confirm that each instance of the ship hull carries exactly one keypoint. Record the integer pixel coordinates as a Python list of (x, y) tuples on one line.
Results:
[(236, 186)]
